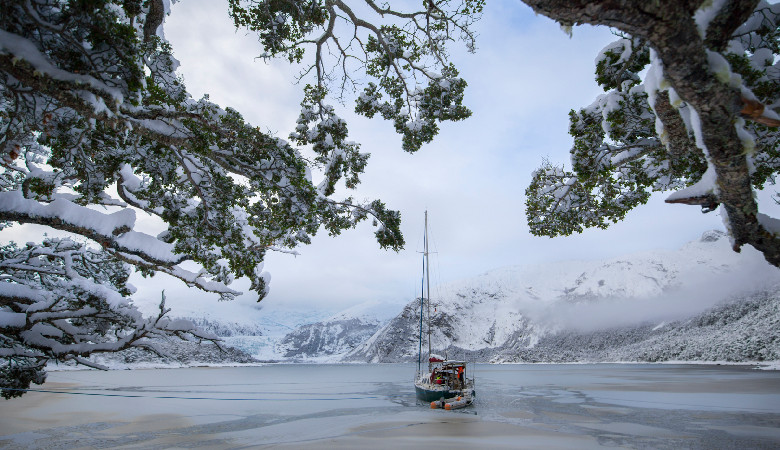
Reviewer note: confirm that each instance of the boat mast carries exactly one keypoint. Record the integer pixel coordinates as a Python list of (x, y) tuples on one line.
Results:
[(428, 287), (422, 303)]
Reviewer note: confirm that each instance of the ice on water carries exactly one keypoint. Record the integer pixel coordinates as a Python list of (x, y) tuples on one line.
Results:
[(359, 406)]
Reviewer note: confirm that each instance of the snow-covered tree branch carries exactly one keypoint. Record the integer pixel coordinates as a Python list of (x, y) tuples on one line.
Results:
[(96, 127), (403, 53), (703, 122), (64, 301)]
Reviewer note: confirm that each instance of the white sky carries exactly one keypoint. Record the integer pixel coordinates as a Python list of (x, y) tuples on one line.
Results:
[(525, 77)]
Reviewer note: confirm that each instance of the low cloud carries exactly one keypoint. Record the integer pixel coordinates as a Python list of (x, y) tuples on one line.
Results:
[(701, 292)]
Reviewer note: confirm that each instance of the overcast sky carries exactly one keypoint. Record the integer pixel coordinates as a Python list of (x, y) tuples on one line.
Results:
[(525, 77)]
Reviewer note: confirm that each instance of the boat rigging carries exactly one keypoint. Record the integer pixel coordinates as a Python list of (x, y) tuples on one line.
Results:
[(446, 383)]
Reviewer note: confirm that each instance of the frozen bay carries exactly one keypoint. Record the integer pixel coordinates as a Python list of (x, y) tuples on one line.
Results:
[(373, 406)]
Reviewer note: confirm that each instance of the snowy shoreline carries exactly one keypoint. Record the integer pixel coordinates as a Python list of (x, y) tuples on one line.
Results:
[(760, 365)]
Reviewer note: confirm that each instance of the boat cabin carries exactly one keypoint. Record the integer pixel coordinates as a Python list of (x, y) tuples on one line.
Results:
[(449, 373)]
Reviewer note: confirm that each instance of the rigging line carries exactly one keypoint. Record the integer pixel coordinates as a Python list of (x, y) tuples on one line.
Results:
[(437, 263), (422, 299), (175, 397), (432, 243)]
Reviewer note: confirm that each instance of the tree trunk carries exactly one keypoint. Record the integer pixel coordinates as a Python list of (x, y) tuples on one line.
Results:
[(670, 30)]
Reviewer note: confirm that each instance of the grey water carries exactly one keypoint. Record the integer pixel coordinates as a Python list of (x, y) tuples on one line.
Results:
[(373, 406)]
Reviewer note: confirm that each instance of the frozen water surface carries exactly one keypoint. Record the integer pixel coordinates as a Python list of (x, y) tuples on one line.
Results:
[(373, 406)]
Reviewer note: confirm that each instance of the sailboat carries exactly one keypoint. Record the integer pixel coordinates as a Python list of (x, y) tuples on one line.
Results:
[(446, 383)]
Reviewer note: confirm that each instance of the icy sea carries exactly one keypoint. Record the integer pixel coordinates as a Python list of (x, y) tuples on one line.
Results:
[(373, 406)]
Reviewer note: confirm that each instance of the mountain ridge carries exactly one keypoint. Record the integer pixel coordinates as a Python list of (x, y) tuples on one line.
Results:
[(701, 302), (516, 309)]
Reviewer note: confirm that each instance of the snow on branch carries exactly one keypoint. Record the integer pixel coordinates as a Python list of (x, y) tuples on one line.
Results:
[(402, 52), (64, 301), (712, 66), (93, 109)]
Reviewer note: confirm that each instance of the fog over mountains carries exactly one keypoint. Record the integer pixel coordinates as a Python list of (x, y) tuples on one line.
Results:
[(702, 302), (624, 309)]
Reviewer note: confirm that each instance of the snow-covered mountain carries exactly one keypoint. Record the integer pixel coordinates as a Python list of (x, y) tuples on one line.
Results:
[(179, 353), (505, 313), (279, 334), (745, 329), (259, 332), (247, 339), (700, 302), (336, 335)]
